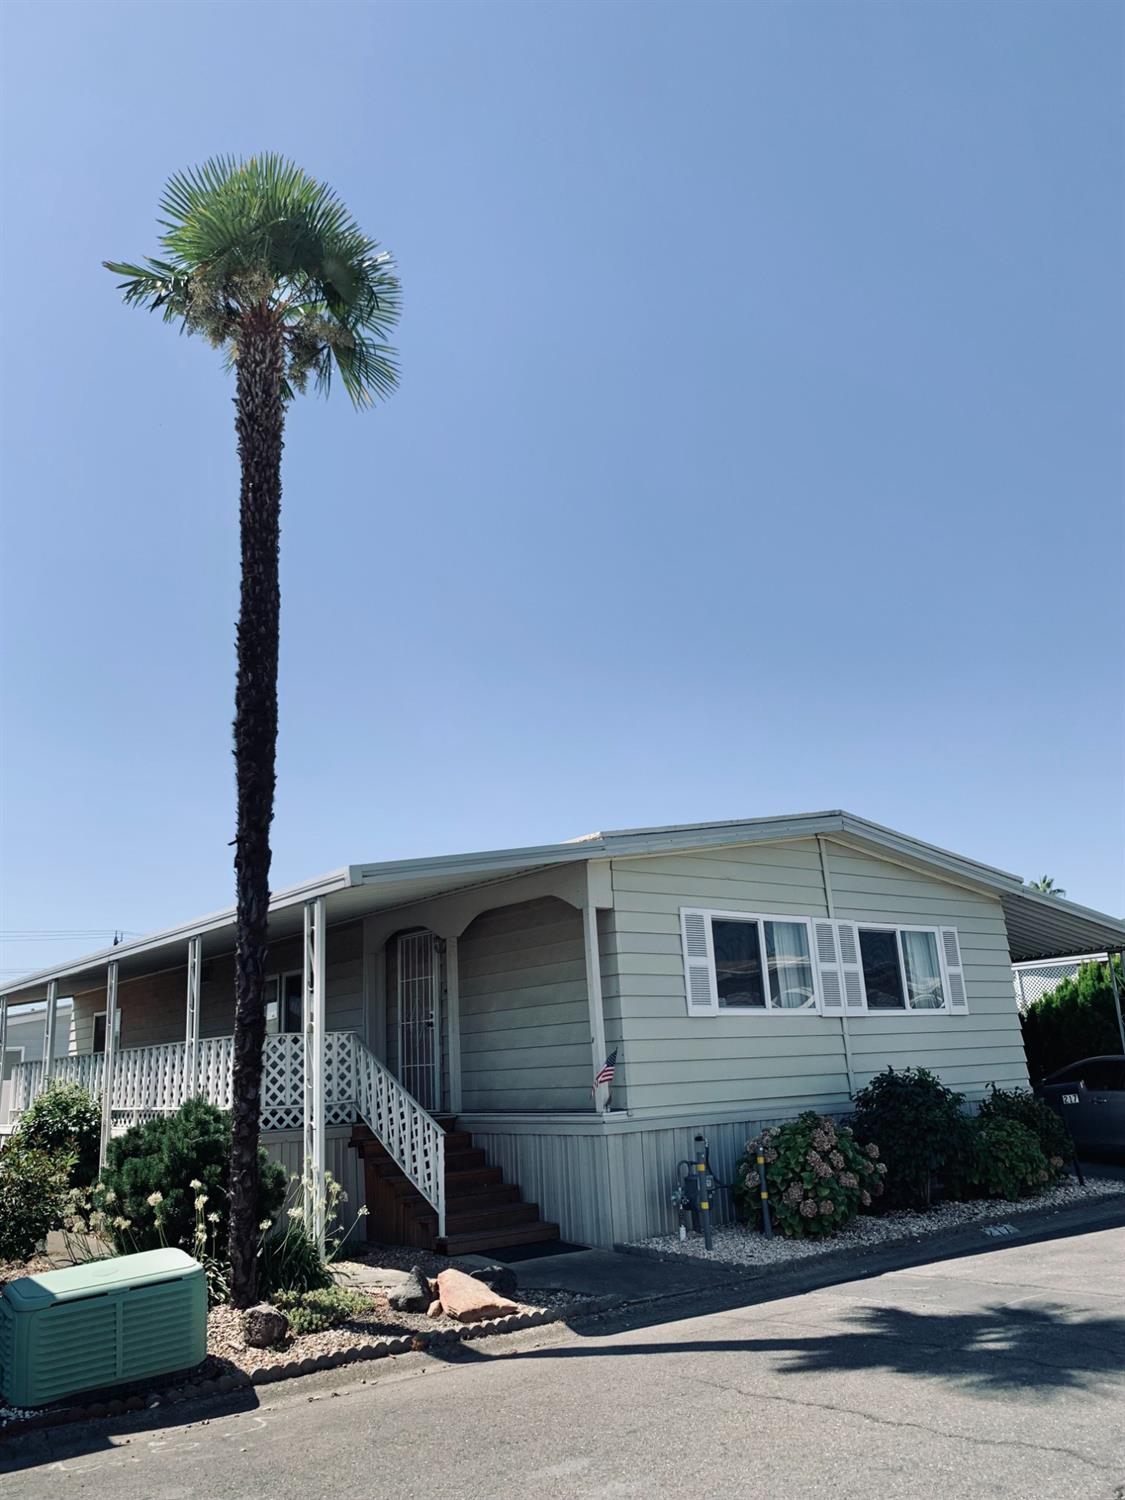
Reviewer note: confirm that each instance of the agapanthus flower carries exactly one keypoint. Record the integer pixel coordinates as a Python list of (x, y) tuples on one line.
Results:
[(154, 1200), (827, 1208), (872, 1150), (837, 1160), (808, 1208)]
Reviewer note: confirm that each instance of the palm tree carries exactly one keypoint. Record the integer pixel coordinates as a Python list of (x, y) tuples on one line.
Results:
[(270, 267), (1047, 886)]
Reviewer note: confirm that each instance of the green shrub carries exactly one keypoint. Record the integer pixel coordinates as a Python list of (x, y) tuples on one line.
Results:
[(64, 1121), (919, 1126), (1001, 1159), (33, 1192), (325, 1307), (1077, 1019), (163, 1179), (1025, 1108), (817, 1174)]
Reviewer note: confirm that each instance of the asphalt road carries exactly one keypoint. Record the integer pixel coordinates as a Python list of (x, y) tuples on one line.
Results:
[(997, 1375)]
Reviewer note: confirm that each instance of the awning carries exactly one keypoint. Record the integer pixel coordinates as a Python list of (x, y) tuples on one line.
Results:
[(1041, 926)]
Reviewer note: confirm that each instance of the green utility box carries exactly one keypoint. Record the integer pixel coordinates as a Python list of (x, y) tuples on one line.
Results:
[(126, 1318)]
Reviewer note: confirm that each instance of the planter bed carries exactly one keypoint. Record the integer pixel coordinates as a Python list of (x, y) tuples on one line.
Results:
[(231, 1365), (738, 1246)]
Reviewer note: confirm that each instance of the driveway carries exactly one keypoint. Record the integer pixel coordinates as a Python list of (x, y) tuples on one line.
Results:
[(997, 1375)]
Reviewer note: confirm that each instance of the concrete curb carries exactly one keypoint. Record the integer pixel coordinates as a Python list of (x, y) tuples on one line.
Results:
[(953, 1239), (381, 1348)]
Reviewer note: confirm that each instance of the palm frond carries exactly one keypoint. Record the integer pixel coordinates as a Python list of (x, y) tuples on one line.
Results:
[(260, 231)]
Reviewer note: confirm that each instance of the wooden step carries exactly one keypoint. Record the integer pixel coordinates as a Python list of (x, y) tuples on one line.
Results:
[(497, 1239), (463, 1159), (456, 1182), (501, 1216), (483, 1197)]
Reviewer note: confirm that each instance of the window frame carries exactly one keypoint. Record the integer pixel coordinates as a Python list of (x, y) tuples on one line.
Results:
[(711, 914), (906, 1009), (101, 1015), (702, 960), (281, 975)]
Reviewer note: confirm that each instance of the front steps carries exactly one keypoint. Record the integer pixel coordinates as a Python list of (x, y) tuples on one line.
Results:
[(482, 1212)]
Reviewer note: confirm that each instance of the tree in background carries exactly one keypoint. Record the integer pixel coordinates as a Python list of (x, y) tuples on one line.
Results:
[(1047, 886), (1077, 1019), (267, 265)]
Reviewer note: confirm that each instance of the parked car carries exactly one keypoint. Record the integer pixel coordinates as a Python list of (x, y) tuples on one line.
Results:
[(1090, 1097)]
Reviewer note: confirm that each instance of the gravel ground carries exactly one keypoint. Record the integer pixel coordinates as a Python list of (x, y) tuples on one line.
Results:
[(225, 1342), (742, 1247), (395, 1257)]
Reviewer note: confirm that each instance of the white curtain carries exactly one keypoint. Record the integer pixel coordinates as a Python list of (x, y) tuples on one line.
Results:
[(923, 971), (787, 951)]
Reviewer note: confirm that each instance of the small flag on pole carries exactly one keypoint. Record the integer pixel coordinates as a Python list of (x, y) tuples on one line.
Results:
[(605, 1072)]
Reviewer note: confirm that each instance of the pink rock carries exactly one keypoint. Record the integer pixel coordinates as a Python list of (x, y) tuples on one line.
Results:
[(434, 1309), (469, 1300)]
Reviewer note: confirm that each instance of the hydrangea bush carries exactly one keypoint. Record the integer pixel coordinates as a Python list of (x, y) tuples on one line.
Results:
[(818, 1175), (999, 1158), (1026, 1109)]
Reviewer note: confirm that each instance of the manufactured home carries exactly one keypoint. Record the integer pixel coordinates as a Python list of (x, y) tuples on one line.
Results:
[(436, 1026)]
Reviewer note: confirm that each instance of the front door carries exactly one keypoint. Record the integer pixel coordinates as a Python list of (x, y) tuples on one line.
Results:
[(419, 1028)]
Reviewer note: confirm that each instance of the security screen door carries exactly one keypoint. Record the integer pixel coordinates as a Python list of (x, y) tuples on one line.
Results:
[(419, 1031)]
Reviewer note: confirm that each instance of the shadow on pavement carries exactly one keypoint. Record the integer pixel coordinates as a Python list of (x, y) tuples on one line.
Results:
[(996, 1350)]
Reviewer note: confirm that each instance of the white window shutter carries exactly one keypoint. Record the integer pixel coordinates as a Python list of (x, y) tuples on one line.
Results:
[(831, 985), (699, 967), (954, 972), (855, 995)]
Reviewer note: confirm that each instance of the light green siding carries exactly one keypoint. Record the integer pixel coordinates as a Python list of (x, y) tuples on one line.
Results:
[(777, 1065), (525, 1017), (970, 1051)]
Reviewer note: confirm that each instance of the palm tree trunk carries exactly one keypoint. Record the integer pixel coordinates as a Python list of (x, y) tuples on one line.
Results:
[(260, 424)]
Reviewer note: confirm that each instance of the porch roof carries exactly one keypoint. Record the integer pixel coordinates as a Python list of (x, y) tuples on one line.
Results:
[(1039, 926)]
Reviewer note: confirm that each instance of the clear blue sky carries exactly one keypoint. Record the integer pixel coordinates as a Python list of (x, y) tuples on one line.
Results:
[(759, 447)]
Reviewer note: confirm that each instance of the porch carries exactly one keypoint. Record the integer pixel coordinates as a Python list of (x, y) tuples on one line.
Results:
[(400, 1029)]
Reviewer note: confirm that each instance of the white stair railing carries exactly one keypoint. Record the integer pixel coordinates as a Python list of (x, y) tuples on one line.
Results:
[(408, 1133)]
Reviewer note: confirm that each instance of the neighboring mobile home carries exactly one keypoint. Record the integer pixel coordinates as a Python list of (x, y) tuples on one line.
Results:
[(24, 1044), (450, 1014)]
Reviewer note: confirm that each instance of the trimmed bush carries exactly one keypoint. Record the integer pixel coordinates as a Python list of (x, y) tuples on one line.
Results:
[(33, 1191), (1000, 1159), (161, 1177), (64, 1121), (314, 1311), (919, 1126), (1045, 1125), (1077, 1019), (818, 1176)]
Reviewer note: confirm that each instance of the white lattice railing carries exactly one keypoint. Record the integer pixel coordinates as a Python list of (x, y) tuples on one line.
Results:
[(27, 1081), (149, 1081), (410, 1135)]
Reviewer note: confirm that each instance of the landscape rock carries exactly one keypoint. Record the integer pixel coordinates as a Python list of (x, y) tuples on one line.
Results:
[(434, 1309), (468, 1300), (263, 1326), (500, 1279), (413, 1295)]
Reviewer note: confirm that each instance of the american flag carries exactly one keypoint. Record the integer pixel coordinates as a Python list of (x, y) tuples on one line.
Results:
[(606, 1071)]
